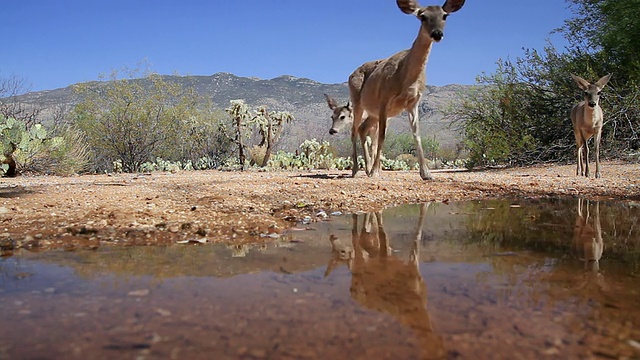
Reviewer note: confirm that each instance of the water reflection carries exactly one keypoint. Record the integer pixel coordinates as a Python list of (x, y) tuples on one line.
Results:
[(384, 282), (482, 279), (588, 244), (587, 239)]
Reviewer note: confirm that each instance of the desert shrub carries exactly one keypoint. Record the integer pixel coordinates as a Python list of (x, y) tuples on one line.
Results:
[(71, 155), (317, 155), (343, 163), (166, 165), (398, 144), (410, 160), (393, 165), (257, 154)]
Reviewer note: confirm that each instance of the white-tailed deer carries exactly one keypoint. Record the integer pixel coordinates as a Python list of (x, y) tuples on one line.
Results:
[(587, 119), (343, 116), (385, 88), (383, 282)]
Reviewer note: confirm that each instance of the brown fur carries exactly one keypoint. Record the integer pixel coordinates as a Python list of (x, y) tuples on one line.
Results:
[(587, 122)]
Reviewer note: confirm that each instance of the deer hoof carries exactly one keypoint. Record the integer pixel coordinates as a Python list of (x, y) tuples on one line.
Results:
[(426, 176)]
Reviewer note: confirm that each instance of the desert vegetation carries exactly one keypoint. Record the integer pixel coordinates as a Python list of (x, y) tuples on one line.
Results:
[(521, 114)]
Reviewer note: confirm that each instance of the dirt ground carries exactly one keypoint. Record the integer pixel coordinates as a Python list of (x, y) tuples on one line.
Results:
[(45, 212)]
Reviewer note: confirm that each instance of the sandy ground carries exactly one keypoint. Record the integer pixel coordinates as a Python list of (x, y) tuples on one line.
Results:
[(44, 212)]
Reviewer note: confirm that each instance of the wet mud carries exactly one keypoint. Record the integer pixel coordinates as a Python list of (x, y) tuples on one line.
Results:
[(557, 279)]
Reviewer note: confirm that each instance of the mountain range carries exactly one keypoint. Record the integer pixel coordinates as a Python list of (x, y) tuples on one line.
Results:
[(302, 97)]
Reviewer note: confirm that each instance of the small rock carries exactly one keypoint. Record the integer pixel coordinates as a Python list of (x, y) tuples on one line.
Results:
[(139, 293), (163, 312)]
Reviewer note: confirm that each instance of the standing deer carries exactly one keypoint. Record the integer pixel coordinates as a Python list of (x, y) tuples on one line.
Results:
[(587, 119), (384, 88), (368, 133)]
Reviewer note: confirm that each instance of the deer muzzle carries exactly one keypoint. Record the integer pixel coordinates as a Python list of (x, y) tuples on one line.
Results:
[(437, 35), (333, 131), (592, 104)]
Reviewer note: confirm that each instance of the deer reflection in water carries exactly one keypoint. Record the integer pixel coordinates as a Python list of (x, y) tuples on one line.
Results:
[(384, 282), (588, 244)]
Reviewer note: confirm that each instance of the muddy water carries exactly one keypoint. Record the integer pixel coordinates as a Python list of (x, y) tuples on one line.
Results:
[(555, 279)]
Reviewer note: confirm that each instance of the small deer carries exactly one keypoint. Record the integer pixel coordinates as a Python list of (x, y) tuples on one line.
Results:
[(368, 132), (385, 88), (587, 119)]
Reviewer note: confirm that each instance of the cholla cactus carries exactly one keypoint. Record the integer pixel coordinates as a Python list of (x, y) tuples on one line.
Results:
[(240, 118)]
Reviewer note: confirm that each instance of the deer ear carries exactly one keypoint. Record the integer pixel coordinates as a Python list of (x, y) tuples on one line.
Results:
[(451, 6), (582, 83), (332, 103), (603, 81), (349, 106), (408, 6)]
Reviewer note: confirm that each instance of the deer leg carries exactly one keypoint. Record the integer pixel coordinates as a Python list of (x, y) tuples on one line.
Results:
[(586, 157), (415, 129), (354, 154), (367, 143), (383, 246), (382, 127), (579, 152), (357, 120), (366, 134), (579, 164), (596, 139)]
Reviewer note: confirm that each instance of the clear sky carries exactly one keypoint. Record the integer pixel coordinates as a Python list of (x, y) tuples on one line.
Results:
[(56, 43)]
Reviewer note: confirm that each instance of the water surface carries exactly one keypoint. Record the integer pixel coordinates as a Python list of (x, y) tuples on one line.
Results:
[(493, 279)]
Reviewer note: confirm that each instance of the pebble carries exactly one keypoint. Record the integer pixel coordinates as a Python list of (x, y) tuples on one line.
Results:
[(139, 293)]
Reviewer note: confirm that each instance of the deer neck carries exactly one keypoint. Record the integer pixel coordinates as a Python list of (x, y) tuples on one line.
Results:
[(416, 60), (590, 113)]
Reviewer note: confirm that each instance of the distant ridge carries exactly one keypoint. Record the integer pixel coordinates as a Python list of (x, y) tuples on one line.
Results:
[(301, 96)]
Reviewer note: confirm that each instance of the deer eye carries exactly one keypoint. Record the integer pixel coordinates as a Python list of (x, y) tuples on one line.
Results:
[(341, 117), (599, 92), (586, 93)]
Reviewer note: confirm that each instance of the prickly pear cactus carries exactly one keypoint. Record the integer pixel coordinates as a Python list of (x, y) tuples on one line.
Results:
[(18, 143)]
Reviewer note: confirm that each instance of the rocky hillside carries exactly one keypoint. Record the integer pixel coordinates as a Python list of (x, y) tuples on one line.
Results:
[(302, 97)]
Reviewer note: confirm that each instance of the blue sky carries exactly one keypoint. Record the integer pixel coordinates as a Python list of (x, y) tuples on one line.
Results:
[(56, 43)]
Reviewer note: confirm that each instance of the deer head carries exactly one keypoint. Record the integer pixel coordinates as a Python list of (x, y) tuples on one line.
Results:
[(342, 115), (591, 91), (433, 18)]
